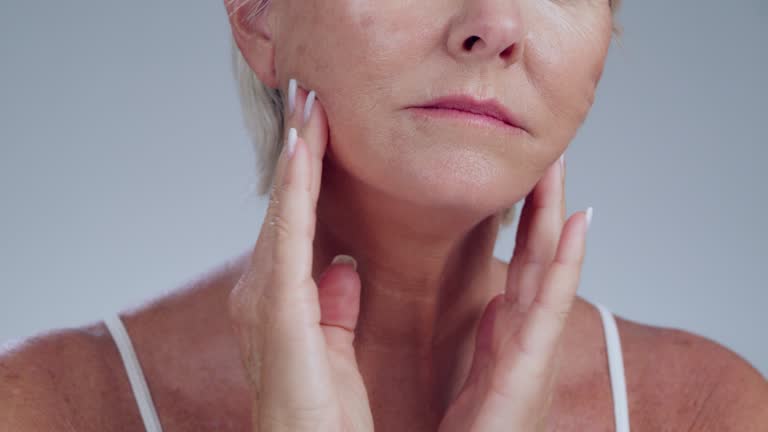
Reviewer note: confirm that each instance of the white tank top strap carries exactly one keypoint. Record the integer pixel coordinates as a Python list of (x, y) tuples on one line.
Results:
[(135, 375), (616, 369)]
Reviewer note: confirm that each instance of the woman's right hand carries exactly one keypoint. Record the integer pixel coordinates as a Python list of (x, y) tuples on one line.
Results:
[(295, 335)]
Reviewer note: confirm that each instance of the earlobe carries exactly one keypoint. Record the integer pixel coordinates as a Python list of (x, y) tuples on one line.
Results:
[(249, 20)]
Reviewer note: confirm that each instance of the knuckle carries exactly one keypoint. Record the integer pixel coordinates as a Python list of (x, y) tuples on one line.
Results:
[(282, 228), (247, 301), (279, 225), (499, 386), (243, 301), (557, 312), (561, 315), (277, 190)]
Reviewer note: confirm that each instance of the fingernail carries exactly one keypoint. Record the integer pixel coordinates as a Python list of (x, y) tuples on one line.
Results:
[(589, 217), (291, 95), (308, 106), (292, 137), (562, 165), (345, 259)]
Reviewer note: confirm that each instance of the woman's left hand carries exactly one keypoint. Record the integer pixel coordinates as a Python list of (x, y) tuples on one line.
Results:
[(511, 381)]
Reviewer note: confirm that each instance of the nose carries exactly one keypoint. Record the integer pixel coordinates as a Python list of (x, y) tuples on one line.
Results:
[(486, 30)]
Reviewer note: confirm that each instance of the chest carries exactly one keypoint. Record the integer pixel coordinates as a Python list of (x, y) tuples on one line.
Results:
[(586, 405)]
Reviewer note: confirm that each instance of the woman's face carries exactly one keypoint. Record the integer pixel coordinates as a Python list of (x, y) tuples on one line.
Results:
[(370, 60)]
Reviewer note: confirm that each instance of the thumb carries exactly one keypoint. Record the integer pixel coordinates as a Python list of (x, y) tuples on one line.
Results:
[(484, 342), (339, 298)]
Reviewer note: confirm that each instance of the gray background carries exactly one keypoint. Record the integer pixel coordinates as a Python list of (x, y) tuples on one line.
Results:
[(125, 169)]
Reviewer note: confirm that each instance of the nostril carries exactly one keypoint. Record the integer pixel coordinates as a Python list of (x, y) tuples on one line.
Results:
[(508, 52), (470, 42)]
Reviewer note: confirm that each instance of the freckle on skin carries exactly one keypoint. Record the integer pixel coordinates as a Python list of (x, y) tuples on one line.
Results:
[(301, 49), (367, 21)]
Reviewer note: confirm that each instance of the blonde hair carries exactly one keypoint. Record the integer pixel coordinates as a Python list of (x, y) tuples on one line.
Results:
[(262, 109)]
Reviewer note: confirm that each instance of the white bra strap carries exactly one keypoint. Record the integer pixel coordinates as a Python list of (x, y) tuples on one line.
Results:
[(616, 369), (135, 375)]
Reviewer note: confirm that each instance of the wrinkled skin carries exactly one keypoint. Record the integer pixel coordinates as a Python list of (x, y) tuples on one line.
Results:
[(415, 198)]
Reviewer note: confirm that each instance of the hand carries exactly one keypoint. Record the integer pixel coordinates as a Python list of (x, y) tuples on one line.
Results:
[(295, 336), (511, 381)]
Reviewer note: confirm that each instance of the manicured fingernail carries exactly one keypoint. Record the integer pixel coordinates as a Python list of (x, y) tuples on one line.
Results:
[(308, 106), (291, 95), (562, 165), (292, 137), (345, 259), (589, 217)]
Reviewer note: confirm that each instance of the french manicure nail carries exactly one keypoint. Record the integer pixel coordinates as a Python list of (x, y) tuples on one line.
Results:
[(291, 95), (345, 259), (589, 217), (292, 137), (308, 106)]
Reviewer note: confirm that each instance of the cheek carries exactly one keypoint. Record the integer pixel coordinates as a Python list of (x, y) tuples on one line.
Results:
[(345, 42), (565, 66), (352, 53)]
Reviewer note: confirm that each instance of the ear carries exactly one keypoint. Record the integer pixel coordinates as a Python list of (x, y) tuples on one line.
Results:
[(251, 30)]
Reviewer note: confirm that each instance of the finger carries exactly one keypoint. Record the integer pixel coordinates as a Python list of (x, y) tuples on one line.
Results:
[(563, 208), (531, 202), (538, 236), (291, 220), (548, 313), (305, 114), (295, 97), (295, 369), (485, 344), (252, 299), (339, 292), (314, 130)]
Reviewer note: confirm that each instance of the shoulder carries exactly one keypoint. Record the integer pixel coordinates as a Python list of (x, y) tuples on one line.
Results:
[(676, 377), (74, 379), (63, 379)]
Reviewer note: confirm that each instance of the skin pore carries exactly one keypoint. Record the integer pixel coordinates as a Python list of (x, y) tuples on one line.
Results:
[(424, 239)]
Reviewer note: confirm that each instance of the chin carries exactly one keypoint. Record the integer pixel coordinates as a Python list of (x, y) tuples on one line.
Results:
[(447, 167), (462, 185)]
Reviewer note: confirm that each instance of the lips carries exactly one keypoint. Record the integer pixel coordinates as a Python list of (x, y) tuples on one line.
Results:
[(488, 107)]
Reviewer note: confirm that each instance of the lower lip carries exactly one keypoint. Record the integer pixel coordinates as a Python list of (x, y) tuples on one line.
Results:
[(466, 117)]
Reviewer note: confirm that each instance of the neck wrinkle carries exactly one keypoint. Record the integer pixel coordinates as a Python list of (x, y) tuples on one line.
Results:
[(424, 271)]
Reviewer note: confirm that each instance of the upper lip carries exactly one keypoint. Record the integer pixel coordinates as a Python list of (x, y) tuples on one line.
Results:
[(489, 107)]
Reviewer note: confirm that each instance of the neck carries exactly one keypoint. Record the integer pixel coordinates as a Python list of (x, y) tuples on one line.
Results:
[(426, 275), (422, 269)]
